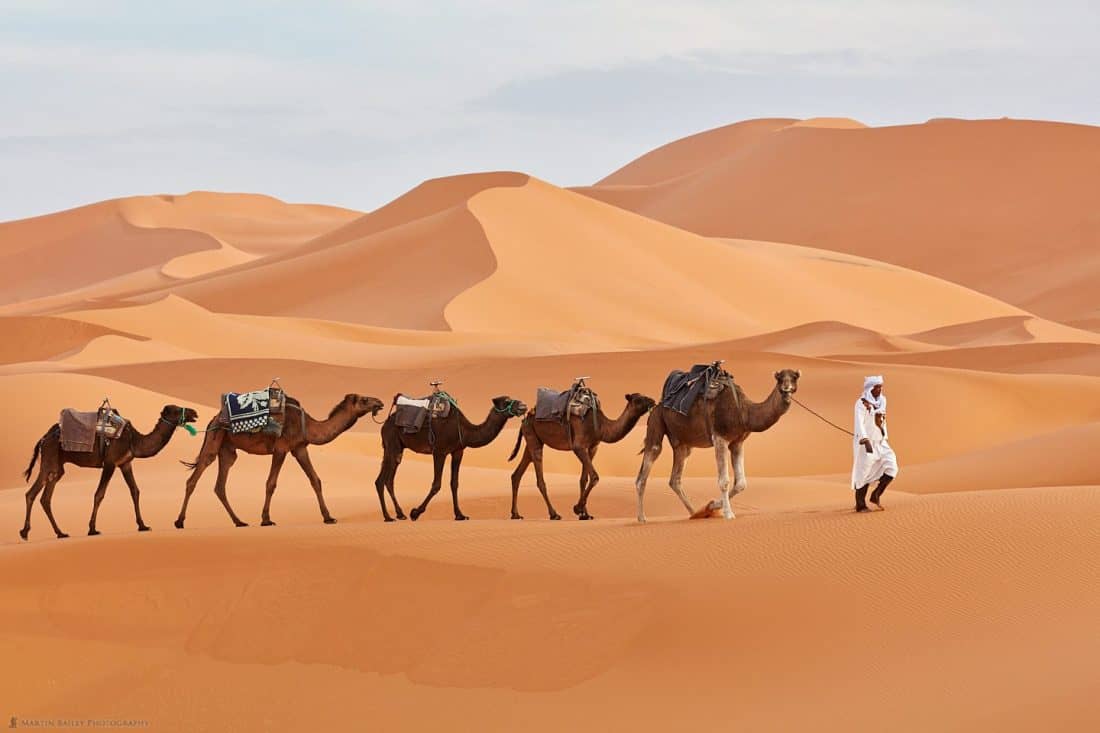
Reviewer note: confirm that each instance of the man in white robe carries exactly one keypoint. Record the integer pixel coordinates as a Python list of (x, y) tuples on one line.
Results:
[(873, 458)]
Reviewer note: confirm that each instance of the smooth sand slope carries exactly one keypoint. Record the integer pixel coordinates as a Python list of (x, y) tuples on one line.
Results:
[(1002, 206), (953, 257)]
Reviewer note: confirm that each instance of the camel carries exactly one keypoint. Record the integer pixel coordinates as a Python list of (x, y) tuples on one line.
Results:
[(299, 432), (439, 437), (582, 436), (724, 422), (120, 453)]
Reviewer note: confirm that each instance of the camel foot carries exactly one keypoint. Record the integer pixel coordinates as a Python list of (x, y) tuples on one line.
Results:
[(144, 528), (23, 533), (555, 516), (239, 523), (267, 523), (415, 513), (62, 536), (93, 532), (578, 509), (330, 520), (516, 516), (585, 517), (461, 517), (401, 516), (388, 519), (179, 524), (862, 509)]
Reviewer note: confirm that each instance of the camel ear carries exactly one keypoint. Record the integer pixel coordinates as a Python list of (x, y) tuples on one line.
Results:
[(629, 397), (778, 376), (798, 374)]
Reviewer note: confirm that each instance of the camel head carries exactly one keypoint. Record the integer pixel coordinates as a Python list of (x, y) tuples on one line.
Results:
[(508, 406), (361, 405), (640, 402), (786, 381), (175, 415)]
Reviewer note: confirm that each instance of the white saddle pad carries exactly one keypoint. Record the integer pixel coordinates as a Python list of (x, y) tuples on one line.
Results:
[(402, 400)]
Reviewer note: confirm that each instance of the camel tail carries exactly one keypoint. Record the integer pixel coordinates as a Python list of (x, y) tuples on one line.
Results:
[(519, 440), (34, 460), (192, 466)]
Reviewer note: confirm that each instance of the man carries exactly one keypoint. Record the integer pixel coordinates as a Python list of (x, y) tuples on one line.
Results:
[(873, 458)]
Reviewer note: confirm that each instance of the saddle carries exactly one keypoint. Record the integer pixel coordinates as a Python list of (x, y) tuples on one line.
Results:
[(682, 389), (259, 411), (410, 413), (578, 400), (82, 432)]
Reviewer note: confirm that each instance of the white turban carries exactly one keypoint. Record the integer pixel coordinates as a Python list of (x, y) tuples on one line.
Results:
[(870, 383)]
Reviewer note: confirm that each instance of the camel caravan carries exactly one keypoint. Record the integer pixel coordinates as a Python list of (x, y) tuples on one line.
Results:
[(699, 408)]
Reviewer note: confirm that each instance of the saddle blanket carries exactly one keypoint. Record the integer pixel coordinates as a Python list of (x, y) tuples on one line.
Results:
[(248, 411), (682, 388), (79, 430)]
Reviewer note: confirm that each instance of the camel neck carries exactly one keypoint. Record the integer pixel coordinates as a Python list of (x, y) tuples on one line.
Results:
[(319, 432), (146, 445), (476, 436), (612, 431), (759, 416)]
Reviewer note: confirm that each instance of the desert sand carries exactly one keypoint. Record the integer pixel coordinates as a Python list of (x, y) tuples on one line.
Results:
[(957, 258)]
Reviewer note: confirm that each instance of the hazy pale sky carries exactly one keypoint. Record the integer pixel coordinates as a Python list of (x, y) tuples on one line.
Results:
[(352, 103)]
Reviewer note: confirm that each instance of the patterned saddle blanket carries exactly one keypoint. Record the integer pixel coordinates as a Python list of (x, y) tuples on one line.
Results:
[(253, 412), (81, 430), (682, 389), (411, 413), (553, 405)]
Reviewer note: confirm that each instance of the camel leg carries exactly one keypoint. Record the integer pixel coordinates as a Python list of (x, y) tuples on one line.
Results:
[(301, 454), (398, 513), (437, 481), (32, 494), (582, 505), (100, 492), (737, 458), (680, 455), (202, 462), (591, 478), (649, 455), (456, 463), (277, 459), (135, 494), (721, 456), (47, 500), (540, 479), (227, 456), (517, 476), (380, 484)]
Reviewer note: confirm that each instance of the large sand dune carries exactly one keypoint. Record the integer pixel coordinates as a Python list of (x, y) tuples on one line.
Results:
[(1002, 206), (956, 258)]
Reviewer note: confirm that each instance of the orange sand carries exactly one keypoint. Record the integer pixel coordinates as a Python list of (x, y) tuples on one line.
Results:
[(970, 604)]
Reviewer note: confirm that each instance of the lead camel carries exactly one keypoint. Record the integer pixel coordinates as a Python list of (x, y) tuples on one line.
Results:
[(724, 423)]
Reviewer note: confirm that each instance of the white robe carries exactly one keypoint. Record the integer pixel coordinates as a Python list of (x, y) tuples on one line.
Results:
[(869, 467)]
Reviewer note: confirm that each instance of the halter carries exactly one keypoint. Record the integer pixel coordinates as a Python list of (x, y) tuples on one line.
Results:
[(509, 409), (181, 422)]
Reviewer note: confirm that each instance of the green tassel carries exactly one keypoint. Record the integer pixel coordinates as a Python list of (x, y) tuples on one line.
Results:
[(190, 429)]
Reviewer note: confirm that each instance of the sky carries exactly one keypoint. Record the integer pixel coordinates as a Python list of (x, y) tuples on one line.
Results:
[(352, 103)]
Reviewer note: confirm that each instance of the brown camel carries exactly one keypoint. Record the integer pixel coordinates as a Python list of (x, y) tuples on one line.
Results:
[(724, 422), (299, 432), (439, 437), (582, 436), (127, 445)]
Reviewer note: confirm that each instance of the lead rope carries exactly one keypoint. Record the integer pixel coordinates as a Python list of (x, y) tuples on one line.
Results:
[(819, 417)]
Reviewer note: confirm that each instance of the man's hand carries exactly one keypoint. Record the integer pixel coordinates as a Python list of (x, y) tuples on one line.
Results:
[(866, 443)]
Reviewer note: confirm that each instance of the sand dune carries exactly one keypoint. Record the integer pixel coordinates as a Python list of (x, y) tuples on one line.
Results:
[(956, 258), (1014, 195)]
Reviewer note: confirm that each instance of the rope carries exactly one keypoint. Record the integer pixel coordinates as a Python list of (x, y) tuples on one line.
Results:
[(819, 417)]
